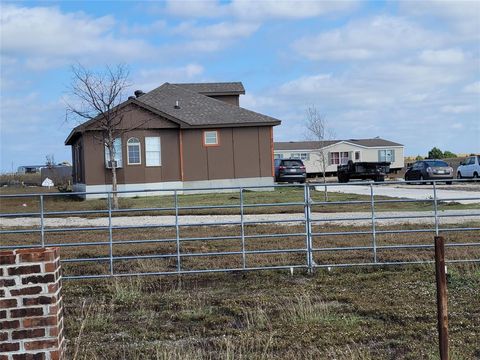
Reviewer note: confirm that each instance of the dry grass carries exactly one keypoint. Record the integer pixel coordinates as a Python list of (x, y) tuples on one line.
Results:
[(229, 201), (341, 314)]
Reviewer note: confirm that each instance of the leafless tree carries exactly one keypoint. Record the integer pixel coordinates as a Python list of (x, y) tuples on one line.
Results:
[(97, 97), (50, 160), (319, 131)]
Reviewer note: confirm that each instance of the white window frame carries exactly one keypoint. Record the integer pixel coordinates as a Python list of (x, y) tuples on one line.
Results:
[(117, 144), (149, 150), (208, 134), (138, 145), (382, 155)]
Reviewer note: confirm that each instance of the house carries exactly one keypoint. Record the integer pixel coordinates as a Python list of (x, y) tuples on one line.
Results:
[(178, 136), (340, 152), (30, 169)]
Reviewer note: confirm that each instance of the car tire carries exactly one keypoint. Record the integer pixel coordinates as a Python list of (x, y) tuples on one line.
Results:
[(421, 179), (459, 175), (475, 175)]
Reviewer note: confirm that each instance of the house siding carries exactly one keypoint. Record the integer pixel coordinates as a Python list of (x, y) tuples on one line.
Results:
[(241, 153)]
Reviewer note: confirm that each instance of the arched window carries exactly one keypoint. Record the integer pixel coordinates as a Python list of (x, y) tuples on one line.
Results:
[(133, 151)]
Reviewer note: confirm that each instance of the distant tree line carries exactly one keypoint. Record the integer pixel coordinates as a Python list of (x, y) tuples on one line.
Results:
[(436, 153)]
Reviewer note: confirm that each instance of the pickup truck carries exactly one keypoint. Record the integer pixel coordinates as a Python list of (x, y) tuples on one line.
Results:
[(469, 168), (363, 170)]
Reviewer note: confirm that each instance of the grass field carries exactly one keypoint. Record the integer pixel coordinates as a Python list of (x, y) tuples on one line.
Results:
[(382, 313), (232, 200)]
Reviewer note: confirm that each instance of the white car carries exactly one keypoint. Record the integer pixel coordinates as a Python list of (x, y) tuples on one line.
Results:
[(470, 168)]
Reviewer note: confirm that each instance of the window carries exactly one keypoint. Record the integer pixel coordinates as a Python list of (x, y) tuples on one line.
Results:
[(210, 138), (153, 151), (387, 155), (301, 156), (337, 158), (133, 151), (278, 156), (117, 146), (357, 155)]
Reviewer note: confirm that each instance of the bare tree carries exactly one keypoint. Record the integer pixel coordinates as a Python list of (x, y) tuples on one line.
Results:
[(50, 160), (319, 131), (98, 96)]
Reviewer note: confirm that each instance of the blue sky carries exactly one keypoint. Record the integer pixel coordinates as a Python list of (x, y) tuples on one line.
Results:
[(406, 71)]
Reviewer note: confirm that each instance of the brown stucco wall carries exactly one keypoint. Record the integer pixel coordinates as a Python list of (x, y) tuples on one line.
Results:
[(242, 152), (96, 173)]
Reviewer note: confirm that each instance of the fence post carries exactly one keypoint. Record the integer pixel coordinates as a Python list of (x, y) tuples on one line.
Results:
[(442, 311), (435, 206), (42, 221), (177, 232), (308, 228), (242, 229), (110, 234), (374, 234)]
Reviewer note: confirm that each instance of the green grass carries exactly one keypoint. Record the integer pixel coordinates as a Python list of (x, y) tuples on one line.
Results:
[(383, 313), (279, 195)]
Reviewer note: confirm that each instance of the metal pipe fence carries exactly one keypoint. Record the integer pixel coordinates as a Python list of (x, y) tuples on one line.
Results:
[(308, 238)]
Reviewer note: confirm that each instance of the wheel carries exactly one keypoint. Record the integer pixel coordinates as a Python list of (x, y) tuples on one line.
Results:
[(459, 175), (421, 179), (475, 175)]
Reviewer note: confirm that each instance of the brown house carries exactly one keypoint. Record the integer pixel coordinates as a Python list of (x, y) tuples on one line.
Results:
[(179, 136)]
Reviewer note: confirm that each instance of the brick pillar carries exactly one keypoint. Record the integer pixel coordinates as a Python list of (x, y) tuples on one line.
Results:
[(31, 318)]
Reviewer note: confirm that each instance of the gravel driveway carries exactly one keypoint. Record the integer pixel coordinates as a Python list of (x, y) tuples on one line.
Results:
[(348, 219), (467, 194)]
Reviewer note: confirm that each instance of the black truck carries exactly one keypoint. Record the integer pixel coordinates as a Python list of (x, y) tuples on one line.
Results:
[(363, 170)]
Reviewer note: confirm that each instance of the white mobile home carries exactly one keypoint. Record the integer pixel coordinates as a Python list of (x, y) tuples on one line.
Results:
[(336, 152)]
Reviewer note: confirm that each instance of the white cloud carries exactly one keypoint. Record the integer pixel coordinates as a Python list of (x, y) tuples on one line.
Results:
[(457, 109), (463, 16), (210, 38), (49, 37), (148, 79), (254, 9), (472, 88), (374, 38), (443, 57)]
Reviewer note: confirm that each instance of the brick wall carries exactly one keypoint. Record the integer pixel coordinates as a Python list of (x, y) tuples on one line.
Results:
[(31, 320)]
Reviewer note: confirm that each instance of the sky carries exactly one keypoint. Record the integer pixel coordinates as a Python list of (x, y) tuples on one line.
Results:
[(407, 71)]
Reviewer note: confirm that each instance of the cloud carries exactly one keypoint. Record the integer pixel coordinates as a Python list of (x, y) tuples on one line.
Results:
[(148, 79), (212, 37), (48, 37), (457, 109), (258, 10), (461, 16), (443, 57), (473, 88), (378, 37)]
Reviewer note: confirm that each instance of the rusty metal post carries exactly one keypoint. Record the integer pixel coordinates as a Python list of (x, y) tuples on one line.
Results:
[(442, 311)]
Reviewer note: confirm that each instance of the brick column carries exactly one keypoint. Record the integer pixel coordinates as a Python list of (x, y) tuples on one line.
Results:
[(31, 318)]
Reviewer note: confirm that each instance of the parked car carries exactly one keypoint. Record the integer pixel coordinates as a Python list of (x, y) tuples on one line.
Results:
[(430, 170), (469, 168), (290, 170)]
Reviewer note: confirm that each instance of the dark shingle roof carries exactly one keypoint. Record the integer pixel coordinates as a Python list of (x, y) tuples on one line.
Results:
[(224, 88), (312, 145), (197, 110)]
